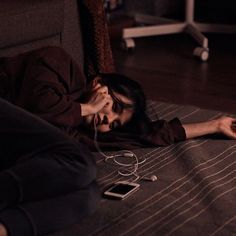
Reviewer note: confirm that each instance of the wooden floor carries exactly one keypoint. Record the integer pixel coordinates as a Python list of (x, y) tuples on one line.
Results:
[(167, 70)]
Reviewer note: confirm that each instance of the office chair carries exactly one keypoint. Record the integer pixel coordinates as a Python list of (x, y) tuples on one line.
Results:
[(167, 26)]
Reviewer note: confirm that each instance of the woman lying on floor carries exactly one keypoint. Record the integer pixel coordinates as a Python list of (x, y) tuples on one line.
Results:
[(48, 83), (47, 178)]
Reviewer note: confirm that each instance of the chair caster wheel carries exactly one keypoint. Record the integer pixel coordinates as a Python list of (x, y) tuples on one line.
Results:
[(202, 53), (128, 45)]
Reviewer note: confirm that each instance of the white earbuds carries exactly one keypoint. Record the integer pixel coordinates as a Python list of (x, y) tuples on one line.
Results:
[(125, 154), (128, 154), (151, 178)]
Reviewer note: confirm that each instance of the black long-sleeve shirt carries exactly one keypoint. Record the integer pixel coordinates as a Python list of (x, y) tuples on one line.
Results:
[(48, 83)]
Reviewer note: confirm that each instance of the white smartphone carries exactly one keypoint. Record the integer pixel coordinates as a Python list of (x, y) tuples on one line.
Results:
[(121, 190)]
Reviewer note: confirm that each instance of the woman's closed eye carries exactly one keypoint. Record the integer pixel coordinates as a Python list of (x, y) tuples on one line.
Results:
[(117, 107)]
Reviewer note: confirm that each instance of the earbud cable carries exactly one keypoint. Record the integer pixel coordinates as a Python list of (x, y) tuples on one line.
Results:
[(124, 153)]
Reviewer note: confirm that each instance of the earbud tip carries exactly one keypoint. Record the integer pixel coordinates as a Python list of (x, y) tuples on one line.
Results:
[(150, 178), (153, 178)]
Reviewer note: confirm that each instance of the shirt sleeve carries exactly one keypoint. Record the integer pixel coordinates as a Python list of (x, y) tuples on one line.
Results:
[(47, 93), (164, 133)]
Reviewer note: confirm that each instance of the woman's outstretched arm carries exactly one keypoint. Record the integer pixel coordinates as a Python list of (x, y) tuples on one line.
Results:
[(223, 125)]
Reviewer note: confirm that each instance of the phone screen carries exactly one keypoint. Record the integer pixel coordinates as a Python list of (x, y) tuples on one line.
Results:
[(122, 188)]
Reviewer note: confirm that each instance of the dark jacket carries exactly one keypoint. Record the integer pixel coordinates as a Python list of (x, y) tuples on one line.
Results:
[(48, 83)]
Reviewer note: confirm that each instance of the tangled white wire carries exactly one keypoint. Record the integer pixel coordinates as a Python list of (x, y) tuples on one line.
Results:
[(124, 153)]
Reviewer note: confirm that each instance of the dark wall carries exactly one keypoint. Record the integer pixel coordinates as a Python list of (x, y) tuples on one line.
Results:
[(213, 10), (223, 11), (155, 7)]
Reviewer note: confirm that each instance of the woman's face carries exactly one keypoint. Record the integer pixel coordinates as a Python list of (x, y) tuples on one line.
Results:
[(111, 116)]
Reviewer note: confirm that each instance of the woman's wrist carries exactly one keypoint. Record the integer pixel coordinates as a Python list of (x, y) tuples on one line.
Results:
[(214, 126), (86, 109), (203, 128)]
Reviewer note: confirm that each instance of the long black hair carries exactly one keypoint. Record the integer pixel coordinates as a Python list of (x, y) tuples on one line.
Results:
[(129, 135), (131, 89)]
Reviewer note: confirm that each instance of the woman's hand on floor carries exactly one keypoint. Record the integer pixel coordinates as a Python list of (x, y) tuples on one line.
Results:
[(227, 126)]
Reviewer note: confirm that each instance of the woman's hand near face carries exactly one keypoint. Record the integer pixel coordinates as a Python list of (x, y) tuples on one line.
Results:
[(97, 99)]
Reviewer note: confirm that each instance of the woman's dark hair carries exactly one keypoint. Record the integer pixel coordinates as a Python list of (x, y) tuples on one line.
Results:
[(132, 90)]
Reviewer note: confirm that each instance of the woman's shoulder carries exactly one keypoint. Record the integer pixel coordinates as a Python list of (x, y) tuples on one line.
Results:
[(57, 59)]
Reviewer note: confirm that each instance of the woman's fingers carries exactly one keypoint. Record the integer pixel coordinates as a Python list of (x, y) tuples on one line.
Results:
[(102, 97), (95, 87), (227, 126), (95, 104), (98, 98), (99, 101), (102, 89), (232, 128)]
